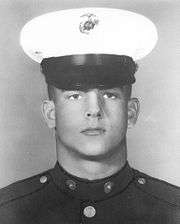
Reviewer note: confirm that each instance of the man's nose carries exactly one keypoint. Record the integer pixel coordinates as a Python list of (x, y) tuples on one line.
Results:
[(94, 107)]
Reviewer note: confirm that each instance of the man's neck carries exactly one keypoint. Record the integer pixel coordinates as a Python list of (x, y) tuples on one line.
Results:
[(92, 169)]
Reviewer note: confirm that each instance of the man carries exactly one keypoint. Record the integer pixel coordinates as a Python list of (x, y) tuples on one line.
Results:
[(88, 59)]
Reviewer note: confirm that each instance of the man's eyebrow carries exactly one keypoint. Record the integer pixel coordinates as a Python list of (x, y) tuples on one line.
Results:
[(73, 90), (81, 89), (113, 89)]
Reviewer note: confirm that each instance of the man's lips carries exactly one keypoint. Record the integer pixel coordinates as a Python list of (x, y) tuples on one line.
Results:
[(93, 131)]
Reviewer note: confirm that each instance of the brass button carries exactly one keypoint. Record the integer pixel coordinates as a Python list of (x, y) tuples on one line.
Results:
[(43, 179), (108, 187), (71, 184), (89, 211), (141, 180)]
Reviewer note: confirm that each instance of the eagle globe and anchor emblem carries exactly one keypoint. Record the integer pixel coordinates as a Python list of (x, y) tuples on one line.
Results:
[(89, 22)]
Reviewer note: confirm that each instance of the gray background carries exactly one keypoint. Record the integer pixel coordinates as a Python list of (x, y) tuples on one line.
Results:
[(27, 145)]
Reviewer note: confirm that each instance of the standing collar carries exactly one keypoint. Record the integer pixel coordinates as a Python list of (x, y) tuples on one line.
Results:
[(93, 190)]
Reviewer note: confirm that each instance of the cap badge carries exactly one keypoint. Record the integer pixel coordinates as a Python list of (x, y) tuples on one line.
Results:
[(89, 22)]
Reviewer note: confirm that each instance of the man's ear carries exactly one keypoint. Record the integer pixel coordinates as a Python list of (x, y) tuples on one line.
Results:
[(48, 112), (133, 111)]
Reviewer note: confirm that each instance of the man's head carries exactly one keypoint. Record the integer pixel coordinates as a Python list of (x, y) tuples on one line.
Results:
[(90, 101), (91, 122), (88, 55)]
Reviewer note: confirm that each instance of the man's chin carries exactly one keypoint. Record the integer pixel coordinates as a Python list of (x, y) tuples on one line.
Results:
[(93, 152)]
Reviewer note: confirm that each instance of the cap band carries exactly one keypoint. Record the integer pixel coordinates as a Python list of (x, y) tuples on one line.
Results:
[(89, 71)]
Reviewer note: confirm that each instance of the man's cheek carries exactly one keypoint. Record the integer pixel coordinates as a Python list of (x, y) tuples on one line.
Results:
[(68, 125)]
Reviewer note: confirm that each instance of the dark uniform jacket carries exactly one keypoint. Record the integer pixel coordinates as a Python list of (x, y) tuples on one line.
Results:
[(56, 197)]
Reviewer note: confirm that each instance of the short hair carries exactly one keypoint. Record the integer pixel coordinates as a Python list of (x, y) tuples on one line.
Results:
[(51, 92)]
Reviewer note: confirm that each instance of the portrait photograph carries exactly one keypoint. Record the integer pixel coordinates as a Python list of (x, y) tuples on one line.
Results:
[(90, 112)]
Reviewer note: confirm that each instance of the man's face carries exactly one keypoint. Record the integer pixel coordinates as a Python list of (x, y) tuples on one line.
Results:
[(93, 122)]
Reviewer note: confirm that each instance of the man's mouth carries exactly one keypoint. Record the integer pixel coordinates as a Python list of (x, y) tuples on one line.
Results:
[(93, 131)]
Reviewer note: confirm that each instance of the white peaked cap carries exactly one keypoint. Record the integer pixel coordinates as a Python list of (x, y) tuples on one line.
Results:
[(88, 31)]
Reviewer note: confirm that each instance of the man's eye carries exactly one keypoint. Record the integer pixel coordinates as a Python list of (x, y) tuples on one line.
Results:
[(74, 97), (110, 96)]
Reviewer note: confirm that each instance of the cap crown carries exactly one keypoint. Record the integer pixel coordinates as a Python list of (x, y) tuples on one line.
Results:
[(88, 31)]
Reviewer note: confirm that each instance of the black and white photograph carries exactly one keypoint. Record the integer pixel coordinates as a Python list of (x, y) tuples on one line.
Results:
[(90, 112)]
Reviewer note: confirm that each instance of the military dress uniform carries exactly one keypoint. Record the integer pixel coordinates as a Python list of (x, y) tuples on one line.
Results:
[(55, 196), (89, 48)]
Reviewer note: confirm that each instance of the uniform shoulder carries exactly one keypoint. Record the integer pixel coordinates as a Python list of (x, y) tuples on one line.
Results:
[(159, 189), (24, 187)]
